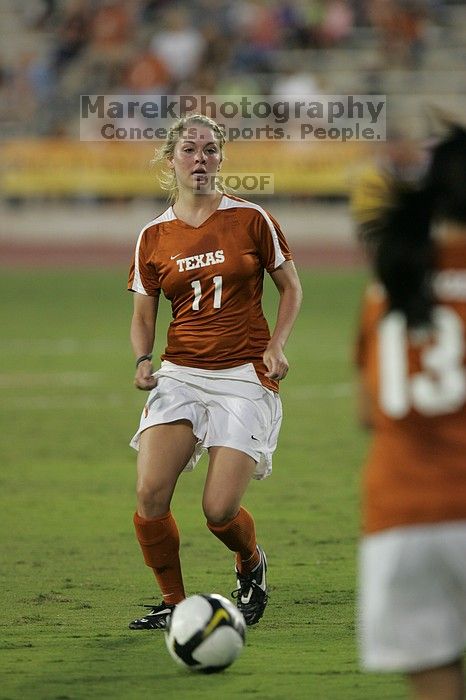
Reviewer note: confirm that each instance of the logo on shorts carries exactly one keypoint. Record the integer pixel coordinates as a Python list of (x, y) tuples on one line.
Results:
[(254, 438)]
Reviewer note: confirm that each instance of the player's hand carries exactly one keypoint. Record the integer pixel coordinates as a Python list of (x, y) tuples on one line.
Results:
[(144, 378), (275, 361)]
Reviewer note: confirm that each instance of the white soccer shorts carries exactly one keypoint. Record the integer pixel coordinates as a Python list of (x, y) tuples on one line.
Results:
[(227, 408), (412, 597)]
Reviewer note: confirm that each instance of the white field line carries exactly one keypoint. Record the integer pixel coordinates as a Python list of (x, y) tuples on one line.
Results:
[(25, 380)]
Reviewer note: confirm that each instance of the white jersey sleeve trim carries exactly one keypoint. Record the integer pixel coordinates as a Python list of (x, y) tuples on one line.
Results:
[(137, 285), (228, 203)]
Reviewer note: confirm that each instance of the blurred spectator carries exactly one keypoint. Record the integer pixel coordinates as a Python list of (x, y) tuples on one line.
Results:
[(216, 53), (295, 83), (73, 33), (37, 13), (207, 46), (249, 58), (29, 84), (179, 44), (112, 26), (337, 23), (214, 12), (104, 61), (147, 73), (7, 107), (258, 31), (312, 16), (401, 28), (289, 17), (259, 24), (151, 10)]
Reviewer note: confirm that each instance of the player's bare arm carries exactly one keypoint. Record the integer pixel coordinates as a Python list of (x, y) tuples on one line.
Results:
[(364, 409), (287, 282), (142, 338)]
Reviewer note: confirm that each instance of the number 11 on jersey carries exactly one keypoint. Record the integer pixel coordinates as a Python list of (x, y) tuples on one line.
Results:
[(196, 285)]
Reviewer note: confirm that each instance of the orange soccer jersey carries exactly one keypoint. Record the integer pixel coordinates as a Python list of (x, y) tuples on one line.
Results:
[(416, 468), (213, 276)]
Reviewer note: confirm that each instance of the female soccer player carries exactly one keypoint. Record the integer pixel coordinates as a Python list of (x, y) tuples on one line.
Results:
[(411, 356), (217, 387)]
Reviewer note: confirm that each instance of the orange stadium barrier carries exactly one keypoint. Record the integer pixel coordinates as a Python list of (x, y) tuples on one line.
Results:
[(55, 167)]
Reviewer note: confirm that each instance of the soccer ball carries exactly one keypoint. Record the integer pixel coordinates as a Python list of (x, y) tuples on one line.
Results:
[(205, 633)]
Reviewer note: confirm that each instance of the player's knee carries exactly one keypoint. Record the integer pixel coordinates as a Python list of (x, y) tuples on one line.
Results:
[(152, 498), (219, 513)]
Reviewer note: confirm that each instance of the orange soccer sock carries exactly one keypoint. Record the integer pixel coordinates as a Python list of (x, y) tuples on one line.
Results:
[(159, 540), (239, 535)]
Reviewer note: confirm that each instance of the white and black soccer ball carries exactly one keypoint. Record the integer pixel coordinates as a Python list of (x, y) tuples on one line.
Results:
[(205, 633)]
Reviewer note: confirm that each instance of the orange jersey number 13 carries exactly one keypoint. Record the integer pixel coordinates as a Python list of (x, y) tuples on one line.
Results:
[(440, 386)]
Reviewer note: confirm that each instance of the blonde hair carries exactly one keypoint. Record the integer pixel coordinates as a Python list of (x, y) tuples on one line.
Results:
[(167, 177)]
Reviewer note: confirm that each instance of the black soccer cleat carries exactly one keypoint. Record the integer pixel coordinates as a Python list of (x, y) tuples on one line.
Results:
[(251, 594), (156, 619)]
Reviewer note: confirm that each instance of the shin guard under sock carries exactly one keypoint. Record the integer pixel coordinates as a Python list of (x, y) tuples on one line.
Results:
[(160, 544), (239, 535)]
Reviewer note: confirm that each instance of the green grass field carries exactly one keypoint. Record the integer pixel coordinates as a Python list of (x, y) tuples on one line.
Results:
[(72, 574)]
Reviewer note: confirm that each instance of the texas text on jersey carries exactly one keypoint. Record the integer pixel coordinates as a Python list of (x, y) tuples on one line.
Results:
[(213, 276)]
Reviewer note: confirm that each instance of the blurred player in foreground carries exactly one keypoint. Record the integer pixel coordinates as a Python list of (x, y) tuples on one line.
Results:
[(217, 387), (411, 357)]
